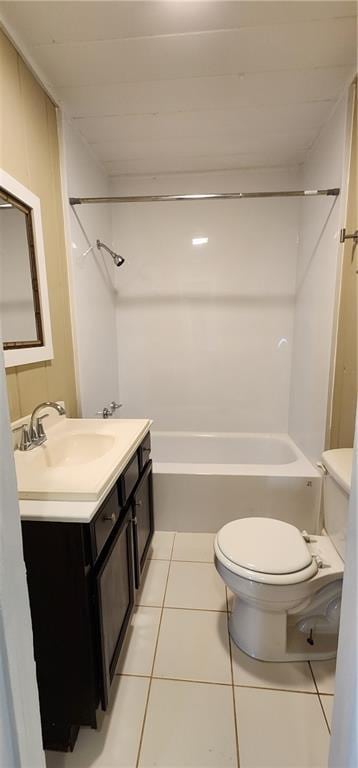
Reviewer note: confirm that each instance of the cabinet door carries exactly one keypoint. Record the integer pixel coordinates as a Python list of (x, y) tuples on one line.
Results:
[(115, 593), (143, 520)]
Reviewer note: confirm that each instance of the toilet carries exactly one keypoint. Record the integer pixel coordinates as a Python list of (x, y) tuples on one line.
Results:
[(286, 583)]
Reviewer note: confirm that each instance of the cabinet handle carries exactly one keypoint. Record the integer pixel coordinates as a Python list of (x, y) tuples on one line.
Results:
[(111, 517), (138, 503)]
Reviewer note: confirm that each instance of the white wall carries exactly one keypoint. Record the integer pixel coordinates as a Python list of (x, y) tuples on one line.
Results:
[(20, 728), (205, 334), (317, 275), (344, 740), (92, 279)]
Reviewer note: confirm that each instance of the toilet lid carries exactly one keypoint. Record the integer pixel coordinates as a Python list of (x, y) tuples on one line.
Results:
[(264, 545)]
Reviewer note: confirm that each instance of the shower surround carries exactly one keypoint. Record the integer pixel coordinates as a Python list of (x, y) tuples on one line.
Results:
[(212, 324)]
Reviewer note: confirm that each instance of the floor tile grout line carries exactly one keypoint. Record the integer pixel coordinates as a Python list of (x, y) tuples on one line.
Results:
[(279, 690), (194, 562), (172, 549), (198, 562), (153, 663), (182, 608), (312, 674), (319, 698), (165, 559), (324, 713), (182, 560), (190, 680), (216, 682), (232, 683), (175, 560), (132, 674), (320, 693), (177, 679)]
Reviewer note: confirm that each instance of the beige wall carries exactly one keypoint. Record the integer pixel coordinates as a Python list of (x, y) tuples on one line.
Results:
[(29, 152)]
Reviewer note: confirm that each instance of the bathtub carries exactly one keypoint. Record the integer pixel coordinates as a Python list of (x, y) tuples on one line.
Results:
[(202, 481)]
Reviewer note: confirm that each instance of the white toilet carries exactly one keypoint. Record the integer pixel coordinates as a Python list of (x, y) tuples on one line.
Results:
[(287, 584)]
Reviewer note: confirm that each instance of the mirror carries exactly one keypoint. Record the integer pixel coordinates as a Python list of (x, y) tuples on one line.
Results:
[(24, 308), (19, 296)]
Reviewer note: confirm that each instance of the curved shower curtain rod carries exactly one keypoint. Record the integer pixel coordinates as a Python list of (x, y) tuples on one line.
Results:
[(215, 196)]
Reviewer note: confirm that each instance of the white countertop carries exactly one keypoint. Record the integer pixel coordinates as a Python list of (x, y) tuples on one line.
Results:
[(83, 510)]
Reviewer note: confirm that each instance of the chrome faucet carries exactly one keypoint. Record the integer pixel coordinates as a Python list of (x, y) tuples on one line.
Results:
[(34, 433)]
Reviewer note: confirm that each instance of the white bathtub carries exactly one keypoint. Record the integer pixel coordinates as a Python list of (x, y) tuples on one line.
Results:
[(202, 481)]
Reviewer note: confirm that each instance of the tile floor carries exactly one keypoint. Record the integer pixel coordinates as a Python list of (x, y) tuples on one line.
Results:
[(184, 696)]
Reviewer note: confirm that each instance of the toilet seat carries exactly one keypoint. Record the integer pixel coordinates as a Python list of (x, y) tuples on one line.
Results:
[(265, 550)]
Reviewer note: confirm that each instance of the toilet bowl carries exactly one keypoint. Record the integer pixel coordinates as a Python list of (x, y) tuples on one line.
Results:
[(286, 584)]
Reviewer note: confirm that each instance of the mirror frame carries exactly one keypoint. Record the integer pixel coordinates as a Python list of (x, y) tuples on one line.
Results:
[(44, 351)]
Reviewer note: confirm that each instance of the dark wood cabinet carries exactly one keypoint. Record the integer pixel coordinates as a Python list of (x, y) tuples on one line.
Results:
[(81, 580), (105, 521), (64, 628), (115, 596), (128, 479), (144, 452), (143, 520)]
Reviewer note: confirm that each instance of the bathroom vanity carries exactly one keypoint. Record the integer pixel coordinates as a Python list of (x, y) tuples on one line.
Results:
[(84, 560)]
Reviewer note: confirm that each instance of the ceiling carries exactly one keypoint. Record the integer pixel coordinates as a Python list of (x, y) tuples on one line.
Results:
[(159, 87)]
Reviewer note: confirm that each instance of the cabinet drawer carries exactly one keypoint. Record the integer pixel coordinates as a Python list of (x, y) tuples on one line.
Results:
[(106, 520), (128, 480), (144, 452)]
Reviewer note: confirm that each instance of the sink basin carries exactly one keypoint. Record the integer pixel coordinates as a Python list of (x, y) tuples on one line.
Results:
[(74, 449), (79, 459)]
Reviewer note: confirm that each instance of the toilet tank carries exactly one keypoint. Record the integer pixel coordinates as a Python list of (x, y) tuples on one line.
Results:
[(336, 490)]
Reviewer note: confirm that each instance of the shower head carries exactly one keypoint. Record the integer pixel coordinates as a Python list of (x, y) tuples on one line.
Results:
[(118, 260)]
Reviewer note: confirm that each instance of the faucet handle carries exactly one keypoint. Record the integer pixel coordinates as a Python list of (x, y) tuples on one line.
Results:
[(108, 410), (114, 406), (41, 434), (105, 412), (25, 440), (33, 433), (37, 433)]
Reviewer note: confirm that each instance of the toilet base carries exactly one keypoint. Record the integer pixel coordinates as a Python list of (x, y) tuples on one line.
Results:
[(274, 636)]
